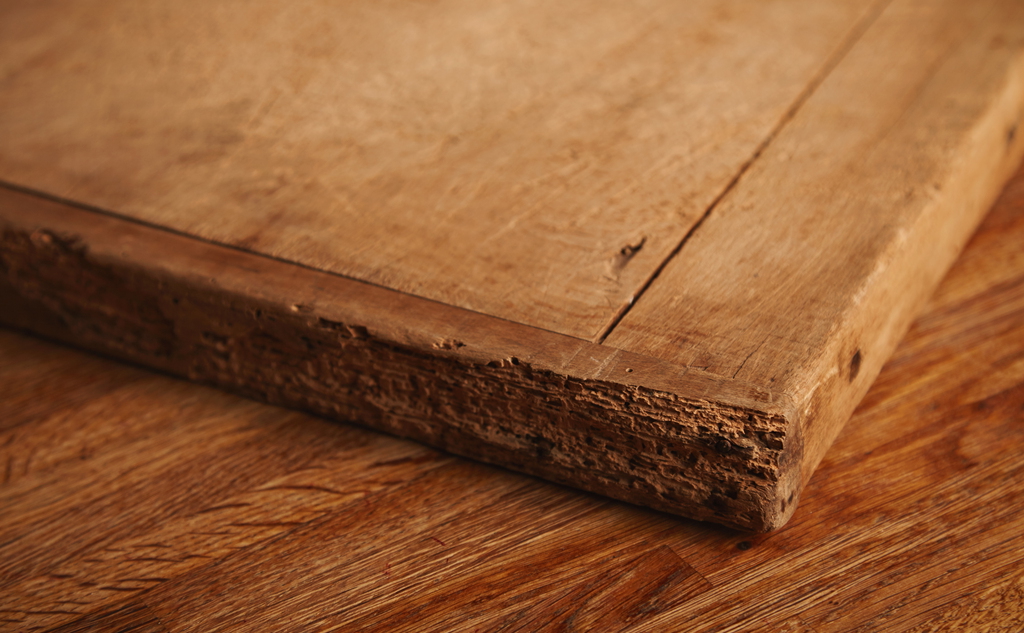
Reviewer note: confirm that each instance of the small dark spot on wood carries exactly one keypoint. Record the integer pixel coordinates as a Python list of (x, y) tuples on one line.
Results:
[(723, 446), (772, 439), (717, 502), (632, 249), (619, 260), (629, 370), (1011, 134), (215, 339), (743, 545), (855, 365), (542, 446), (358, 332)]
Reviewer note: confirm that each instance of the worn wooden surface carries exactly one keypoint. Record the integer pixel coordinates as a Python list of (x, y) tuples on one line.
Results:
[(496, 156), (136, 500), (654, 251)]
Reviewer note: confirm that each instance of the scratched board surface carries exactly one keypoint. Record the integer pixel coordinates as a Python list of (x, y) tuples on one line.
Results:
[(534, 161)]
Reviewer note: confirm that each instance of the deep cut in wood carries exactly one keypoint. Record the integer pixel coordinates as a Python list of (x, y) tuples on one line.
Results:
[(636, 258)]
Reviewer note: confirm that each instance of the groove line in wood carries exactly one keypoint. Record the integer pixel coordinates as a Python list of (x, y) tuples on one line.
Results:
[(830, 64)]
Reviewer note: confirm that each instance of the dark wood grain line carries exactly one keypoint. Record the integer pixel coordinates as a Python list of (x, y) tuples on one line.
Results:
[(129, 617)]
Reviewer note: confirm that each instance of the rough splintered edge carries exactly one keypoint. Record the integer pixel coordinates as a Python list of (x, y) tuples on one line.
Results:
[(696, 456)]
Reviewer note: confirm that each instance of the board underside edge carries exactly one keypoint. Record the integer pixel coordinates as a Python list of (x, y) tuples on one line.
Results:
[(611, 422)]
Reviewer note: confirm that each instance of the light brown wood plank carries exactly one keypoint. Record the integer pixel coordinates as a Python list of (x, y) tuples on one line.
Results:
[(860, 204), (510, 158)]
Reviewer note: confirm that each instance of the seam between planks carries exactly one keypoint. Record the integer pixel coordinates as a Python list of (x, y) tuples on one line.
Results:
[(854, 36)]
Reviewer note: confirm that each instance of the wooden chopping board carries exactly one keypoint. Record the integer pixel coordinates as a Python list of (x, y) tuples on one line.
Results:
[(655, 251)]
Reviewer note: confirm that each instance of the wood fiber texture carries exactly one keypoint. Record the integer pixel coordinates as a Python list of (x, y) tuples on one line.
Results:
[(655, 251), (134, 501), (528, 160)]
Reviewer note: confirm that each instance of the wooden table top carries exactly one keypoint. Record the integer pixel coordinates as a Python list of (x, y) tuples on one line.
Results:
[(134, 500)]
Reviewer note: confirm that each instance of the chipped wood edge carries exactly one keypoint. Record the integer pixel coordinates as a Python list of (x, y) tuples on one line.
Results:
[(568, 410)]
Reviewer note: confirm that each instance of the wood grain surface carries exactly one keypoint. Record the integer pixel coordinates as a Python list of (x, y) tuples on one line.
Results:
[(134, 501), (654, 251), (528, 160)]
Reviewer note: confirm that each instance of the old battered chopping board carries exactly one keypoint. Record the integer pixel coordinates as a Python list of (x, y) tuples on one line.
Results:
[(655, 250)]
